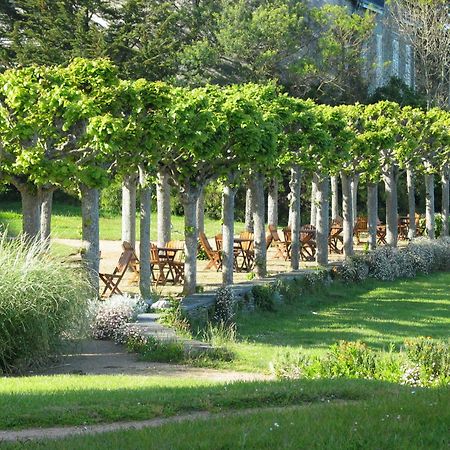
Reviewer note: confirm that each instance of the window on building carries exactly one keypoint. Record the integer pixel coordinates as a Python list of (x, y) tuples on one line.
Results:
[(395, 58), (373, 5)]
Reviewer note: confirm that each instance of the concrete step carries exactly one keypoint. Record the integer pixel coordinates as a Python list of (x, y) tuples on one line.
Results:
[(149, 325)]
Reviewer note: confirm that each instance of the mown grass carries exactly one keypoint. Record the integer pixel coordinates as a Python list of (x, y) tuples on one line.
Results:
[(73, 399), (66, 223), (403, 420), (377, 313)]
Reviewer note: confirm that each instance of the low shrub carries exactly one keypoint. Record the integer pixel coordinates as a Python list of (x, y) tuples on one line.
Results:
[(41, 301), (111, 316), (152, 349), (224, 307), (433, 356), (421, 256), (175, 318), (349, 360), (263, 297), (424, 363), (354, 269)]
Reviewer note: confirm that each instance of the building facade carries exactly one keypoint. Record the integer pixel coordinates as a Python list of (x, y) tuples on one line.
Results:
[(387, 54)]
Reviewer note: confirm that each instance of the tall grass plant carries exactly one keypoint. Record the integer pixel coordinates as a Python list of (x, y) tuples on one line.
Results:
[(41, 301)]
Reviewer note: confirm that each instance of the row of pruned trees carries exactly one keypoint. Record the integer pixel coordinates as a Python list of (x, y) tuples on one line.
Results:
[(75, 127)]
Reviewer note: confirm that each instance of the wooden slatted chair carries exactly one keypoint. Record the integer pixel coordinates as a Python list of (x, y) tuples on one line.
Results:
[(335, 238), (157, 266), (175, 262), (308, 242), (281, 246), (214, 256), (128, 259), (287, 232), (360, 227)]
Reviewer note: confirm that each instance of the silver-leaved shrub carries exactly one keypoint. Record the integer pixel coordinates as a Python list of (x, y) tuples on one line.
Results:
[(111, 316), (421, 256)]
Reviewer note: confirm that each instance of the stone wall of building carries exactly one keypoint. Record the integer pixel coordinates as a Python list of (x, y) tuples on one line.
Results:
[(387, 54)]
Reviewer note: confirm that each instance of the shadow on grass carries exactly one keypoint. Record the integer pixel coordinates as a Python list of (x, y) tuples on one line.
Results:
[(67, 401), (377, 313)]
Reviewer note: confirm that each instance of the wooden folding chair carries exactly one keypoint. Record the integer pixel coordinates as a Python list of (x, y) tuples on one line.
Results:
[(335, 238), (215, 260), (157, 266), (281, 246), (381, 234), (175, 262), (360, 227), (112, 280), (134, 265), (288, 241), (308, 242)]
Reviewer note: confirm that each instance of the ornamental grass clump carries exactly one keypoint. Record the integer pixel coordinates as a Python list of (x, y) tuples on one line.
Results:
[(41, 301)]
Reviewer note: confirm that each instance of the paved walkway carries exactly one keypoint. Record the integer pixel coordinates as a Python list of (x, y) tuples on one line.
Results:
[(107, 358), (209, 280)]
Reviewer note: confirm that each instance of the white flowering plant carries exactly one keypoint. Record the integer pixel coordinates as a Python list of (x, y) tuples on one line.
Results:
[(111, 316)]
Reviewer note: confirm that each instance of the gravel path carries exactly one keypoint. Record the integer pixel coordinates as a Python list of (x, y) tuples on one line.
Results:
[(107, 358)]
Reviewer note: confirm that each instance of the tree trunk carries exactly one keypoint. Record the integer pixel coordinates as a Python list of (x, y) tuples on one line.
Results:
[(200, 210), (334, 198), (249, 207), (323, 213), (229, 193), (372, 213), (129, 209), (163, 208), (411, 201), (31, 212), (145, 275), (289, 199), (347, 215), (46, 197), (294, 214), (445, 200), (257, 186), (314, 200), (429, 205), (354, 187), (272, 203), (390, 183), (189, 198), (90, 202)]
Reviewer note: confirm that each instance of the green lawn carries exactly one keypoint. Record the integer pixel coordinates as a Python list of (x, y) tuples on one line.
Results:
[(66, 223), (377, 313), (331, 413)]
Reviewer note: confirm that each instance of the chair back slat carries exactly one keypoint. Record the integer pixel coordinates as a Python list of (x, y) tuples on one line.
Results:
[(219, 242), (287, 234), (154, 255), (274, 232), (205, 244)]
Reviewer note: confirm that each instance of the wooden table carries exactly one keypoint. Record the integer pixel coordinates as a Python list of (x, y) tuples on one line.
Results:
[(381, 234), (336, 240), (169, 258), (244, 250), (403, 227)]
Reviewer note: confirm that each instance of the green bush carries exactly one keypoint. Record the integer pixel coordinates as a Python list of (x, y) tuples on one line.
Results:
[(158, 351), (426, 362), (264, 298), (431, 355), (41, 299)]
